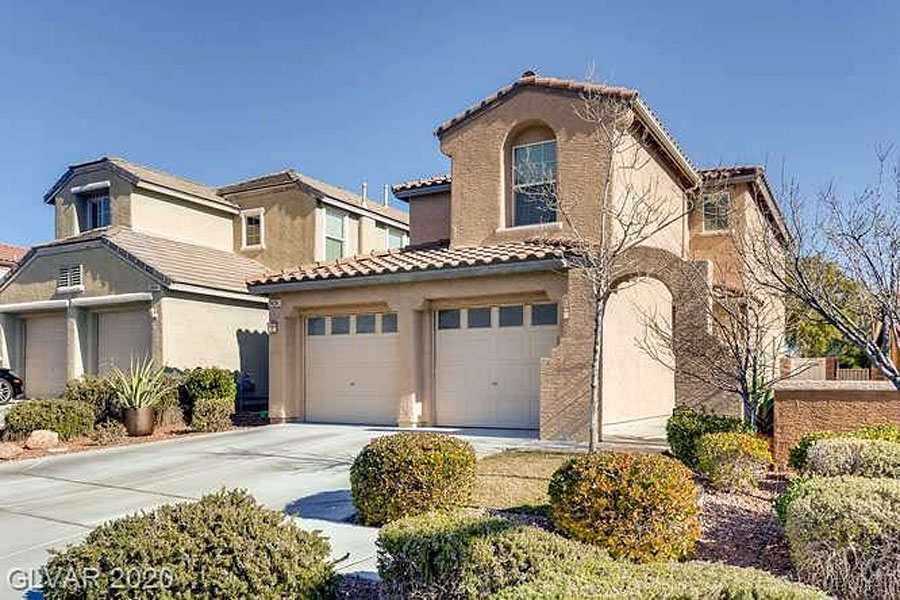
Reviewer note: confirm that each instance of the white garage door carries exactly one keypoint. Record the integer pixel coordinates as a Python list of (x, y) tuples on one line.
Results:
[(45, 356), (638, 391), (351, 366), (122, 337), (489, 364)]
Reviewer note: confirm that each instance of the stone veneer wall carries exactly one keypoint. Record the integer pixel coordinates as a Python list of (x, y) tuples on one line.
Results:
[(803, 407)]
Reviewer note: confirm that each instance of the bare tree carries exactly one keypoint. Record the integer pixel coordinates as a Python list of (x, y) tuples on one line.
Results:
[(860, 234), (740, 351), (628, 210)]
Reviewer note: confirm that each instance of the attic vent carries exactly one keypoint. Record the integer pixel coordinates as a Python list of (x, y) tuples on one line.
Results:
[(70, 278)]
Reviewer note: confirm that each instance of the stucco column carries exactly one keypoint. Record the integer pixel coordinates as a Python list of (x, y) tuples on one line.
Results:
[(410, 364), (77, 342), (285, 401), (157, 320), (368, 236)]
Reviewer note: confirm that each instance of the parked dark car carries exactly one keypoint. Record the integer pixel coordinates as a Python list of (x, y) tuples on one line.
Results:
[(10, 386)]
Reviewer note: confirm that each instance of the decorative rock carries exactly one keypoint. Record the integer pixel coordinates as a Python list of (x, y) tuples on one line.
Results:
[(9, 451), (41, 439)]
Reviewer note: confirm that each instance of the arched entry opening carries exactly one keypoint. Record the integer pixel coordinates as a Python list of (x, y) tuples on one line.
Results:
[(638, 392)]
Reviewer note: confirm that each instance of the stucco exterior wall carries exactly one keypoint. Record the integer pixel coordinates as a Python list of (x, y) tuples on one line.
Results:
[(103, 274), (175, 219), (202, 333), (289, 223), (803, 407), (429, 218), (477, 149), (69, 215)]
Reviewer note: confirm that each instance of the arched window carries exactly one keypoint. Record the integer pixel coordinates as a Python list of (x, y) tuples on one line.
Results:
[(533, 189)]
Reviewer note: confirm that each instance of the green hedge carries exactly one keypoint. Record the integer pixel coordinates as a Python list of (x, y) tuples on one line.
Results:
[(844, 535), (612, 580), (212, 414), (685, 426), (406, 474), (224, 546), (851, 456), (640, 507), (733, 461), (96, 391), (68, 418), (783, 500), (797, 454), (462, 555)]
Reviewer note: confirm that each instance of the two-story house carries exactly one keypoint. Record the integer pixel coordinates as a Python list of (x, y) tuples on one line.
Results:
[(9, 258), (147, 264), (481, 321)]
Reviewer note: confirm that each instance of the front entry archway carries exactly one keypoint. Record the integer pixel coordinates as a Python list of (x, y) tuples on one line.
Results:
[(638, 392)]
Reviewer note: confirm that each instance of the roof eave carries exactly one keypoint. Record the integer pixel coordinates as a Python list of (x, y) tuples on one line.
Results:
[(407, 194), (503, 268)]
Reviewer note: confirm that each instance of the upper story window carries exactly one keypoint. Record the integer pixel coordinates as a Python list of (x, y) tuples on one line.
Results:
[(717, 211), (534, 183), (395, 238), (335, 233), (97, 211), (252, 228)]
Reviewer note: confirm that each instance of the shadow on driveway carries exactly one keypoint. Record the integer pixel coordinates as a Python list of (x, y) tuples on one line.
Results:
[(332, 505)]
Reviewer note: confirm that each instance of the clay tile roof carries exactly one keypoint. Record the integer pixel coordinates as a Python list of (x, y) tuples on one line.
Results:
[(425, 257), (417, 184), (11, 254), (532, 79), (731, 171)]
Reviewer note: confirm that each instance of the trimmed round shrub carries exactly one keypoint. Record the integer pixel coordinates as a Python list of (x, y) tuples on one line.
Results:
[(783, 500), (851, 456), (463, 555), (68, 418), (407, 474), (612, 580), (733, 461), (797, 454), (224, 546), (844, 536), (640, 507), (205, 382), (685, 426), (96, 391), (108, 432), (212, 414)]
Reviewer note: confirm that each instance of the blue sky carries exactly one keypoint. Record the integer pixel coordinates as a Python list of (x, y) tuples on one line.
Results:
[(347, 92)]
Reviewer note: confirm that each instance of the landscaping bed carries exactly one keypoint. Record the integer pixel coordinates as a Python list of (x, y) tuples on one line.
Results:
[(739, 529)]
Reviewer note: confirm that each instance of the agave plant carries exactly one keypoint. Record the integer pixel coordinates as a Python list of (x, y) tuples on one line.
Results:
[(143, 386)]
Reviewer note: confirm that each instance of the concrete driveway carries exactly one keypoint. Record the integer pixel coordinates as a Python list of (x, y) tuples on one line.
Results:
[(302, 469)]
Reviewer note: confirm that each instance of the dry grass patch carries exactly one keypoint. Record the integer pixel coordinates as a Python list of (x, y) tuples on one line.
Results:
[(516, 479)]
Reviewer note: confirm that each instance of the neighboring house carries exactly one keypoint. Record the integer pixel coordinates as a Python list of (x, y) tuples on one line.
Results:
[(479, 322), (9, 258), (146, 264)]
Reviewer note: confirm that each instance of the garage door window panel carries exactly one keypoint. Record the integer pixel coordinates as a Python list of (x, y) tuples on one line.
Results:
[(315, 326), (448, 319), (365, 323), (512, 316), (389, 323), (478, 318), (544, 314), (340, 325)]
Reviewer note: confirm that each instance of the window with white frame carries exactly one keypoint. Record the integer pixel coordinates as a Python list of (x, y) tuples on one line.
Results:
[(717, 211), (335, 233), (253, 228), (395, 238), (70, 277), (534, 183), (97, 211)]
